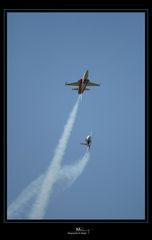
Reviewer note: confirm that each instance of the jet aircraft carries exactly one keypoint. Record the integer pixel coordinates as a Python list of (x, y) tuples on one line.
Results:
[(88, 141), (83, 83)]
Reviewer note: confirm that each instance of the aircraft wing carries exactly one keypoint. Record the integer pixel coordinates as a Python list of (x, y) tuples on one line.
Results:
[(92, 84), (72, 84)]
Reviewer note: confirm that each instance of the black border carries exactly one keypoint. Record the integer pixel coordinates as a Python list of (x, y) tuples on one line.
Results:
[(60, 6), (65, 4)]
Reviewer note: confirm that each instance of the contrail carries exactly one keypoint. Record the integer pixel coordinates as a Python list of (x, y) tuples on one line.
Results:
[(17, 208), (68, 173), (71, 172), (67, 176), (50, 178)]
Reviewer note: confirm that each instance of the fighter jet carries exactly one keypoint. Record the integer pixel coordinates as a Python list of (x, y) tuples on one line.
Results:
[(83, 83), (87, 141)]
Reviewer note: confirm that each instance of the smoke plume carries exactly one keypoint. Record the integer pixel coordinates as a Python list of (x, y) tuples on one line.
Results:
[(71, 172), (51, 176), (17, 208), (38, 192)]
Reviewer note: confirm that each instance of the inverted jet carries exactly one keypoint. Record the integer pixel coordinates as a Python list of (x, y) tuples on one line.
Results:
[(83, 83), (88, 141)]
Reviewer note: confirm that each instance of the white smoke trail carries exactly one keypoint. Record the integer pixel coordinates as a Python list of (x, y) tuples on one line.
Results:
[(67, 176), (17, 208), (71, 172), (41, 203)]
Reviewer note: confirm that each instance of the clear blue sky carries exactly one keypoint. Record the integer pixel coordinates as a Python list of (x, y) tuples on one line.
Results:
[(44, 51)]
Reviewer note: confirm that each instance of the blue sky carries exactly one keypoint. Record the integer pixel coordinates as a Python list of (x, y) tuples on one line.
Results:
[(45, 50)]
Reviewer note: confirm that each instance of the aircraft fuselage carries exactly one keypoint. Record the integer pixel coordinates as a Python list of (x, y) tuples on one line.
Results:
[(83, 82), (88, 141)]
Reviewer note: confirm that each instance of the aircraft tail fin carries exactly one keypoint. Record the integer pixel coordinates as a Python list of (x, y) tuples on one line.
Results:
[(75, 88)]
